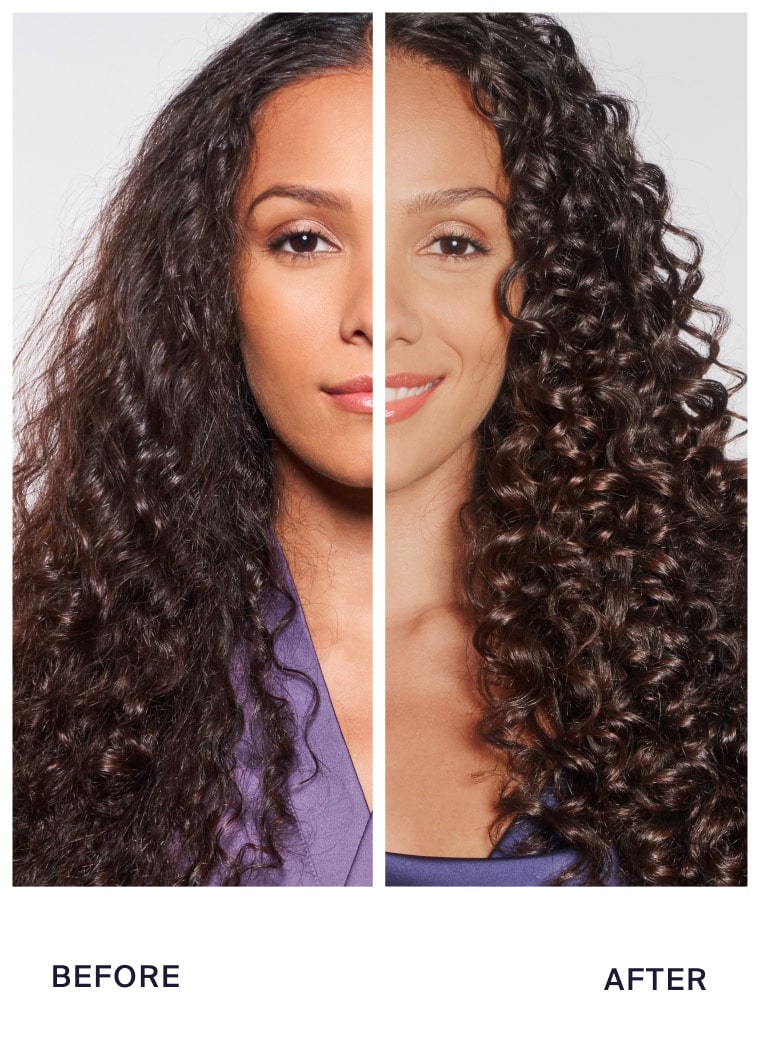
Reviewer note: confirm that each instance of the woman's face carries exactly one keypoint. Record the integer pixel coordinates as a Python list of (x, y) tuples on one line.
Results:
[(305, 275), (447, 245)]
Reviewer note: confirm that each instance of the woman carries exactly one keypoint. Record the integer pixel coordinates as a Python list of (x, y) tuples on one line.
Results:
[(564, 527), (193, 494)]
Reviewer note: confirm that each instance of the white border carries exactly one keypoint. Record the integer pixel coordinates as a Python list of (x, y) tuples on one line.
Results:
[(378, 448)]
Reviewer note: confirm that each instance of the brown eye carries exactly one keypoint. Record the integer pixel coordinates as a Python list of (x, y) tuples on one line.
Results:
[(302, 243), (455, 245)]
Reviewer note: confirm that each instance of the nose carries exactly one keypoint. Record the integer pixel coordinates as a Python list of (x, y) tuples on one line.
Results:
[(356, 320), (403, 323)]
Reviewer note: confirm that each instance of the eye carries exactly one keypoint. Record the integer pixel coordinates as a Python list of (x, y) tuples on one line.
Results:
[(455, 246), (302, 243)]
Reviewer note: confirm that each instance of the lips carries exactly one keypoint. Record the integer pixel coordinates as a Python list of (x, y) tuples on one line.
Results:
[(406, 393), (354, 395)]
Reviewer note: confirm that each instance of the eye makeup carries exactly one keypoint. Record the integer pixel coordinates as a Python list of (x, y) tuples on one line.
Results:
[(303, 242)]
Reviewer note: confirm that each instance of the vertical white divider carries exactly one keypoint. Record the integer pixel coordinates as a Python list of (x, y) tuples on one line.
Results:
[(378, 446)]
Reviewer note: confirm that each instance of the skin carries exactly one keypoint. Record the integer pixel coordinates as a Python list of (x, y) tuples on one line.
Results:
[(446, 254), (305, 317), (306, 273), (443, 318)]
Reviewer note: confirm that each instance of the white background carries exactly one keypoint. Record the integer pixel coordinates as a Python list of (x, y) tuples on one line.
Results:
[(355, 975)]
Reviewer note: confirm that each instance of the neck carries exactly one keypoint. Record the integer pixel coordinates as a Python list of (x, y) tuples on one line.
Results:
[(325, 531), (424, 540)]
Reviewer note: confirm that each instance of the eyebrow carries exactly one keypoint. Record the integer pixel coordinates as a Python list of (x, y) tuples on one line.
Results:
[(317, 197), (449, 197)]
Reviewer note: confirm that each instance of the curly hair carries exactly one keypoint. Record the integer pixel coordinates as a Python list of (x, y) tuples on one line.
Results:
[(605, 535), (143, 491)]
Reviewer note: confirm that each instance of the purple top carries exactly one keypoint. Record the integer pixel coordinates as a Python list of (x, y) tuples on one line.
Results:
[(502, 868), (404, 870), (332, 841)]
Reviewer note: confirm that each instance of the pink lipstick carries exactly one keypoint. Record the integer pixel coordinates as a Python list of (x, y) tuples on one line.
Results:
[(405, 393), (354, 395)]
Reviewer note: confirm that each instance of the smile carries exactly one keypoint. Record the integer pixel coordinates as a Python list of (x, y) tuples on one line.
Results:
[(355, 395), (392, 394), (406, 393)]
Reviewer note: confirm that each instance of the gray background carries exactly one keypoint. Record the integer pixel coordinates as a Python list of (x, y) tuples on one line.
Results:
[(86, 86), (687, 74), (85, 89)]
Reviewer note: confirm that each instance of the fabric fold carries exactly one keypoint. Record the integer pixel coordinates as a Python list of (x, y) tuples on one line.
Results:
[(331, 845)]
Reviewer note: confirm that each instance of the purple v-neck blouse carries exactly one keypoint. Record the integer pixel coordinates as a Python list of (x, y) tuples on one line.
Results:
[(504, 867), (497, 870), (332, 841), (406, 870)]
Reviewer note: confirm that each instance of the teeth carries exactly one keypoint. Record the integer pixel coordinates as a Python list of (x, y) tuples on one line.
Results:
[(394, 394)]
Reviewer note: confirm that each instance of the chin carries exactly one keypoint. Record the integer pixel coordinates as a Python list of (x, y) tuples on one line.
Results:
[(360, 481), (401, 472), (398, 477), (357, 475), (354, 469)]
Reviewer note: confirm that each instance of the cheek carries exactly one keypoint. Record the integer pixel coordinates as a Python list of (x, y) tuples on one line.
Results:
[(471, 326), (289, 334), (283, 327)]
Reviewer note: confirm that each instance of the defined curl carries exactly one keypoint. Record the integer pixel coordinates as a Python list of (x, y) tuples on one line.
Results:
[(606, 535), (144, 553)]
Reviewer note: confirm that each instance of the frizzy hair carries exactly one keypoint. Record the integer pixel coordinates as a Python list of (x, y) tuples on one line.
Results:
[(605, 536), (143, 490)]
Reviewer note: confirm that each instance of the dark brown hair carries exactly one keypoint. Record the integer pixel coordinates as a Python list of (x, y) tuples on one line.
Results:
[(606, 530), (144, 554)]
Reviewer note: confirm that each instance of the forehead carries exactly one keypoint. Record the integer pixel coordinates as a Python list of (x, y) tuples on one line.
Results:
[(314, 129), (434, 134)]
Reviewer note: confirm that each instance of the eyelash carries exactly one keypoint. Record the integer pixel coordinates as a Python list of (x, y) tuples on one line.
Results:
[(480, 249), (277, 245)]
